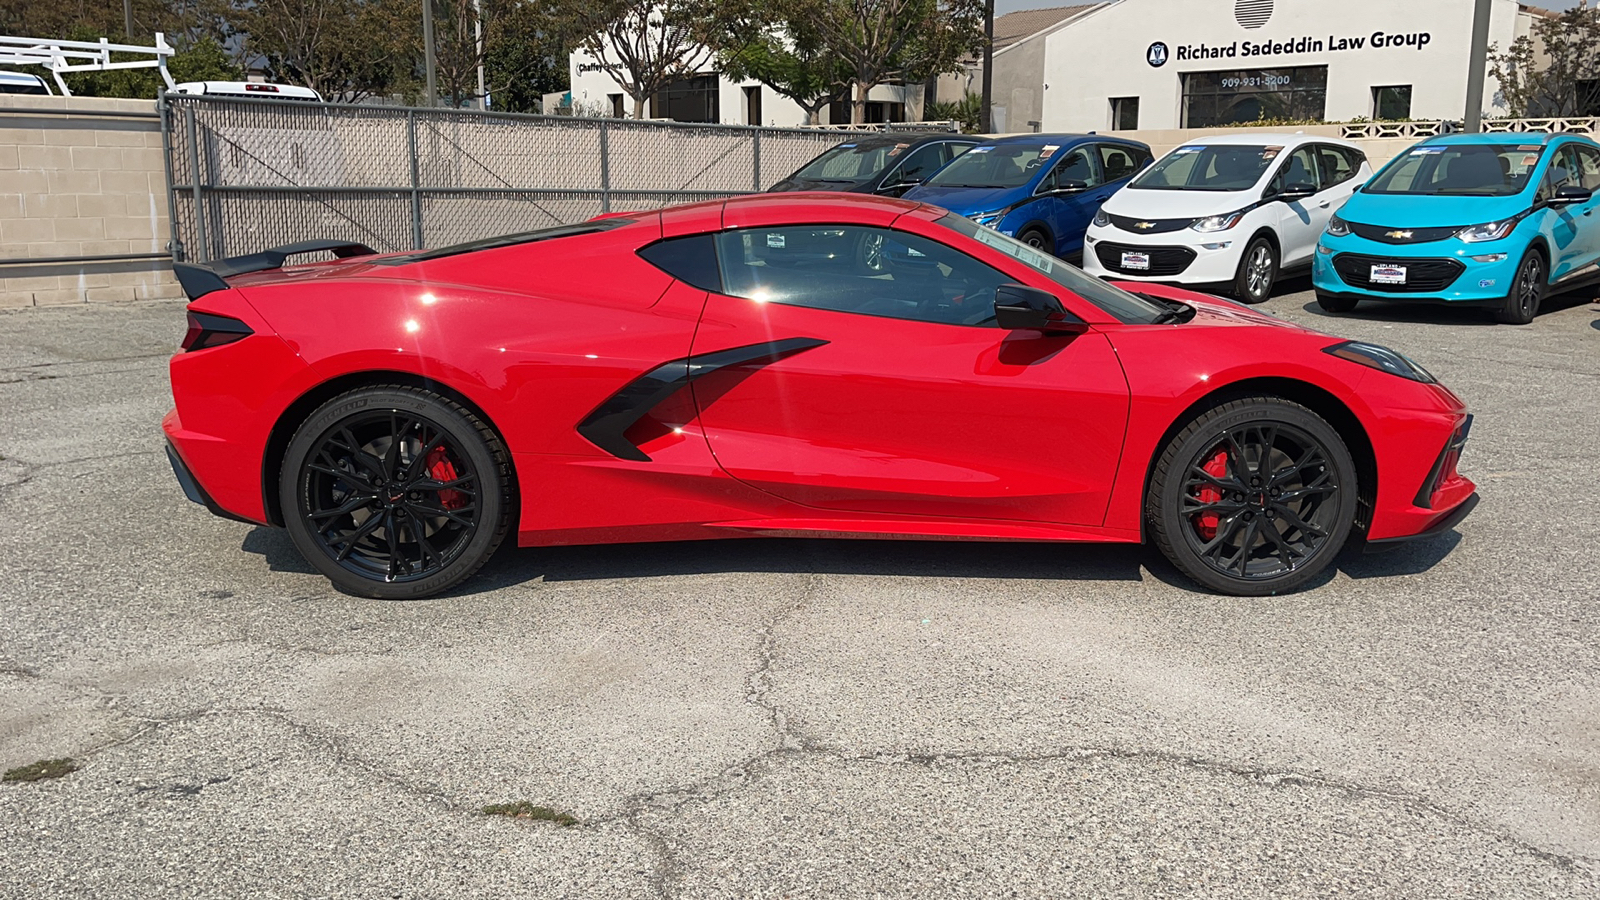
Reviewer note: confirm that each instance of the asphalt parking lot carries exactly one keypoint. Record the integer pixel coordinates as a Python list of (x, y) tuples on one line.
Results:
[(795, 719)]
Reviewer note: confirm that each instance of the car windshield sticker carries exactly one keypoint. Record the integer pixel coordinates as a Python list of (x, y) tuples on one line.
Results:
[(1271, 152), (843, 146), (1189, 149), (980, 149), (775, 241), (1048, 149), (897, 149), (1530, 160), (1527, 146), (1012, 248), (1427, 151)]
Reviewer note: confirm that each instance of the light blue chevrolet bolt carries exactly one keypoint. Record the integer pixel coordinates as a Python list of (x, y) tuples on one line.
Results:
[(1487, 220)]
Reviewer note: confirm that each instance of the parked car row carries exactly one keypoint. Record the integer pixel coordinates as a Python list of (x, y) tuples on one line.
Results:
[(1495, 220)]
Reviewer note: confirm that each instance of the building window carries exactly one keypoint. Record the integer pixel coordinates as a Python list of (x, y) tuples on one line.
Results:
[(752, 105), (689, 100), (616, 105), (1391, 103), (874, 113), (1124, 113), (1249, 95)]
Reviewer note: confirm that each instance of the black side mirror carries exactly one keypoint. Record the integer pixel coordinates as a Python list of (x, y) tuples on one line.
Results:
[(1020, 308), (1569, 194), (1300, 190)]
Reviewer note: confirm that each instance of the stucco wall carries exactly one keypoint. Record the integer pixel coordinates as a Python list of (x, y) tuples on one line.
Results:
[(75, 185)]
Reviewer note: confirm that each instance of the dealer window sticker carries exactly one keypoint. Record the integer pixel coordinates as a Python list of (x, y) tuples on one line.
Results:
[(1271, 152), (980, 149), (1188, 150), (1048, 150), (1427, 151), (1011, 248)]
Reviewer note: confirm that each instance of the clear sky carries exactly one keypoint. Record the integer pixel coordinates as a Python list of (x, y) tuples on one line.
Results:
[(1001, 7)]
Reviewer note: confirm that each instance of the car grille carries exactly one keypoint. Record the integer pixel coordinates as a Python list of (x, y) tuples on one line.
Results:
[(1422, 275), (1163, 260), (1154, 226), (1387, 235)]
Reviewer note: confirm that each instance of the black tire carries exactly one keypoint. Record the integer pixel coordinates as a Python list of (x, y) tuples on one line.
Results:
[(1038, 240), (1257, 273), (1332, 304), (1527, 291), (1311, 514), (348, 484)]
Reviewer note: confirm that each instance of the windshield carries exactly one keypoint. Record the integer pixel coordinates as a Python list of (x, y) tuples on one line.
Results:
[(995, 166), (1224, 167), (851, 162), (1459, 170), (1125, 307)]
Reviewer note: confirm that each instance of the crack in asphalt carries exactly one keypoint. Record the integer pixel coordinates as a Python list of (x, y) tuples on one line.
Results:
[(84, 362)]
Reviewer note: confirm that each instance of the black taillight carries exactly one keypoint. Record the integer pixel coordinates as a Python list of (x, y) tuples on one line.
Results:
[(207, 330)]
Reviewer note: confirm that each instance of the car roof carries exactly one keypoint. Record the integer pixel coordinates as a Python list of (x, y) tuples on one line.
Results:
[(1500, 137), (10, 77), (1271, 138), (903, 137)]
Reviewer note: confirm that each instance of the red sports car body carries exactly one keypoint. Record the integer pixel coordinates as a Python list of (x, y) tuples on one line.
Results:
[(802, 364)]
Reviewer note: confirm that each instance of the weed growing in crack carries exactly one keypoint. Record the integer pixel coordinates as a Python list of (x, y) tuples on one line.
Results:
[(39, 771), (522, 809)]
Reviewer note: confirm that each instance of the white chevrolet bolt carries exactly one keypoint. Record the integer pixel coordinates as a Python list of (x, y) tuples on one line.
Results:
[(1233, 212)]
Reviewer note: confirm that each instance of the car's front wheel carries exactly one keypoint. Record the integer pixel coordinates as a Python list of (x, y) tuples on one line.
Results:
[(1038, 240), (1334, 304), (1527, 290), (1254, 496), (395, 492), (1257, 272)]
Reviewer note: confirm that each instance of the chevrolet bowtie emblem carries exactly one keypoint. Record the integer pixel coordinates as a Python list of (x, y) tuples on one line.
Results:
[(1144, 225), (1397, 235)]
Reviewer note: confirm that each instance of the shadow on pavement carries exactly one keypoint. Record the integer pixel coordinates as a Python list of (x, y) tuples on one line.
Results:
[(1441, 313)]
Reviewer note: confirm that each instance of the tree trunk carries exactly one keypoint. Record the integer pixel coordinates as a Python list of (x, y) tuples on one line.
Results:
[(638, 106), (858, 103)]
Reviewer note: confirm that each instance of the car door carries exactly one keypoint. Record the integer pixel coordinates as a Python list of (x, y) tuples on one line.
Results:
[(1574, 228), (1338, 169), (1300, 222), (884, 390), (914, 169), (1066, 207)]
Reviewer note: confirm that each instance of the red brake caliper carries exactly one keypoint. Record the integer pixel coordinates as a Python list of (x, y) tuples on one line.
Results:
[(440, 468), (1205, 524)]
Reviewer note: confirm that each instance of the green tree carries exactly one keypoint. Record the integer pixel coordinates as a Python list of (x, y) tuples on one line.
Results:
[(343, 49), (644, 45), (1555, 70), (886, 40), (522, 53), (756, 40)]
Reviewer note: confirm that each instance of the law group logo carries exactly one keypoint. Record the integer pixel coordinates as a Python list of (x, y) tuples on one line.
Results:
[(1156, 56), (1252, 13)]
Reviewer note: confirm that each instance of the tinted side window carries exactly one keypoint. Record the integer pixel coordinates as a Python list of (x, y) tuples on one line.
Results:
[(953, 149), (692, 260), (1075, 166), (919, 165), (1338, 164), (1588, 166), (854, 269), (1118, 162), (1300, 169)]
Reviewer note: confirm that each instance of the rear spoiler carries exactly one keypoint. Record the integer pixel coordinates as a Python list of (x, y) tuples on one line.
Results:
[(199, 280)]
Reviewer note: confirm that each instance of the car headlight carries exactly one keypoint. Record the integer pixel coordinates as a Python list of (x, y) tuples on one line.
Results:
[(1381, 358), (1338, 227), (987, 219), (1490, 231), (1218, 223), (1101, 220)]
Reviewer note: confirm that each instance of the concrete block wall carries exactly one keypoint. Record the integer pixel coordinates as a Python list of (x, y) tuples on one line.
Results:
[(76, 182)]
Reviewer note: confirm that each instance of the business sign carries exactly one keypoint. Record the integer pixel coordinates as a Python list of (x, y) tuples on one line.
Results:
[(1378, 40)]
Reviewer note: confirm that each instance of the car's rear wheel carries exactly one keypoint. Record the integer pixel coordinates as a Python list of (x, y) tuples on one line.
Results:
[(1527, 290), (395, 492), (1038, 240), (1333, 304), (1255, 496), (1257, 272)]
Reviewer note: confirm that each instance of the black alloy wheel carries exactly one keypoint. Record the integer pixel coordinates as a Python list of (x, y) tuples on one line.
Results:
[(1527, 290), (395, 492), (1037, 239), (1257, 273), (1255, 496)]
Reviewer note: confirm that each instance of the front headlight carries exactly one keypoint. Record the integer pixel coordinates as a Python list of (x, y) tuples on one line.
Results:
[(987, 219), (1381, 358), (1101, 220), (1338, 227), (1218, 223), (1491, 231)]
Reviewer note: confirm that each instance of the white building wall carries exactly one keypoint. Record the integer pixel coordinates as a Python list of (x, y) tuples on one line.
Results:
[(594, 86), (1104, 54)]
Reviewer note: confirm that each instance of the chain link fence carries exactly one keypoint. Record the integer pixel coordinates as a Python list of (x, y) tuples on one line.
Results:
[(249, 174)]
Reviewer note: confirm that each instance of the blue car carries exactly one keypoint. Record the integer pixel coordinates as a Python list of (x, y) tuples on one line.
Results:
[(1042, 189), (1487, 220)]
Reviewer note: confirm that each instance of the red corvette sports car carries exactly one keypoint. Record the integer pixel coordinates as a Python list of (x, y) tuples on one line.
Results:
[(785, 365)]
